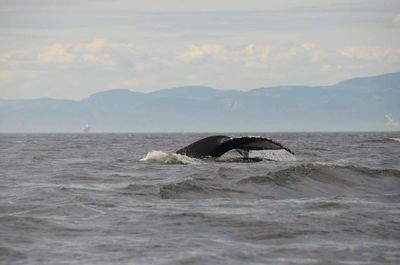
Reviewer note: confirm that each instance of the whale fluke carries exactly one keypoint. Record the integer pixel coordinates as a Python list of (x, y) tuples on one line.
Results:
[(216, 146)]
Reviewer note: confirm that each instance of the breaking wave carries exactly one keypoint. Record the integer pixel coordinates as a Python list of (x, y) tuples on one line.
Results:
[(301, 181), (395, 139)]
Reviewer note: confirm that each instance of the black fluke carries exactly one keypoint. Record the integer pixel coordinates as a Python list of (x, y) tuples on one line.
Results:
[(216, 146)]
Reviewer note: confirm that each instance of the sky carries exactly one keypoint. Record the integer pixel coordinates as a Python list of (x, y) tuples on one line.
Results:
[(72, 49)]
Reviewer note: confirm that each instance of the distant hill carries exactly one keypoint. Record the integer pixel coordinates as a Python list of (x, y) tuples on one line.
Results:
[(359, 104)]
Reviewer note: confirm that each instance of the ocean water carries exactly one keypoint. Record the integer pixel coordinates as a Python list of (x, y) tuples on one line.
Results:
[(126, 199)]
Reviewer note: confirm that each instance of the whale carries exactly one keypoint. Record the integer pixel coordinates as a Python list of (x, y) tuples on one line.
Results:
[(217, 145)]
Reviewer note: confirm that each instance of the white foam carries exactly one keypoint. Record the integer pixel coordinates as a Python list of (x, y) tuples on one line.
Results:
[(395, 139), (274, 155), (169, 158)]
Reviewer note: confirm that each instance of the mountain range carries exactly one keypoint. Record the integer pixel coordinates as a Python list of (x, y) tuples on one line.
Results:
[(358, 104)]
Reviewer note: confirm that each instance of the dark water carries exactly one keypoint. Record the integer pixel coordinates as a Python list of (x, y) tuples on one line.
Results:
[(88, 199)]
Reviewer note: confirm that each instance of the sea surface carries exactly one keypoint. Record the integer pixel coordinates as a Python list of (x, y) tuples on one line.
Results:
[(127, 199)]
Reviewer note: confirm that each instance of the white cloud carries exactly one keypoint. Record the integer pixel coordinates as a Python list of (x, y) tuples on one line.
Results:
[(391, 122), (93, 52), (303, 53), (308, 46), (253, 52), (300, 52), (96, 45), (287, 54), (194, 53), (313, 50), (16, 55), (371, 53), (103, 59), (57, 53), (259, 52)]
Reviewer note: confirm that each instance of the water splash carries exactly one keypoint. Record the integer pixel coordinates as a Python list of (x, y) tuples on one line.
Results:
[(273, 155), (169, 158)]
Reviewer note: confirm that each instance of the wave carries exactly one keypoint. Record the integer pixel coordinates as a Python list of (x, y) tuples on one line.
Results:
[(169, 158), (339, 163), (384, 140), (254, 156), (301, 181), (10, 255)]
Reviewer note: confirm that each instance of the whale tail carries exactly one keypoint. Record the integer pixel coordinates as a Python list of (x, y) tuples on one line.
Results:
[(216, 146)]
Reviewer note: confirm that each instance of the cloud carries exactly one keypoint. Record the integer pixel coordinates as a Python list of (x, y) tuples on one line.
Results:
[(250, 53), (308, 46), (286, 54), (305, 52), (103, 59), (259, 52), (391, 122), (16, 55), (371, 53), (195, 53), (96, 45), (313, 50), (93, 52), (56, 53)]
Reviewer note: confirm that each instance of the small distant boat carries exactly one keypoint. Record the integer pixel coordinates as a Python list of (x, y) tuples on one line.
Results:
[(86, 129)]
